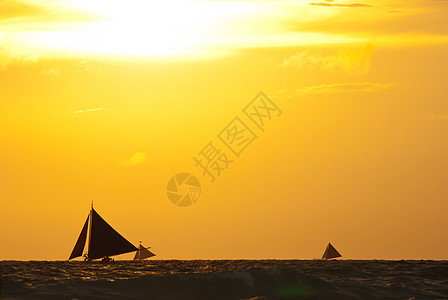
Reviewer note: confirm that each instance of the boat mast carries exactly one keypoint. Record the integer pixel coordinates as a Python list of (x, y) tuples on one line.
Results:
[(90, 231)]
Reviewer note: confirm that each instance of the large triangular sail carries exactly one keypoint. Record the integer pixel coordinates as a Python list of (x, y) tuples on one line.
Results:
[(331, 252), (143, 253), (101, 238), (80, 243), (106, 241)]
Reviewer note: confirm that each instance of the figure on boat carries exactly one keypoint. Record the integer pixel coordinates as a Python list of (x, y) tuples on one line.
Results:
[(107, 259)]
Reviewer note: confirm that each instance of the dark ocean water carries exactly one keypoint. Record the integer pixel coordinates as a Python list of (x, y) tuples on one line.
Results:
[(225, 279)]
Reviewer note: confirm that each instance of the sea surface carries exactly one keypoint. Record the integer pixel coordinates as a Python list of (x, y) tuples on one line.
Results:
[(225, 279)]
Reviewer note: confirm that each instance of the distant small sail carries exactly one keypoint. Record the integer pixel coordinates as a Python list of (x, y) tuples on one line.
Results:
[(331, 252), (143, 253)]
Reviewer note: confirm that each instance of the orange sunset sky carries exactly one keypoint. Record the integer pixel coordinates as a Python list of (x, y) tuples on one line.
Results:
[(107, 100)]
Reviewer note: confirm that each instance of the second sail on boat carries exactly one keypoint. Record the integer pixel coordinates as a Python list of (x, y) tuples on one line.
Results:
[(143, 253), (99, 240)]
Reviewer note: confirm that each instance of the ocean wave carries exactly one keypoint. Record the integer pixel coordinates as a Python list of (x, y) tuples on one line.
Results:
[(248, 280), (254, 284)]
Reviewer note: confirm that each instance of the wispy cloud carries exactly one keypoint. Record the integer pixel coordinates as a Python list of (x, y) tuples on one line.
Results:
[(50, 72), (435, 117), (11, 52), (349, 87), (76, 29), (88, 110), (352, 62), (82, 29), (86, 66), (17, 9), (136, 159), (329, 4)]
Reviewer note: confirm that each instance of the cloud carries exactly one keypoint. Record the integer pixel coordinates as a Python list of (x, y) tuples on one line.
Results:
[(43, 11), (88, 67), (435, 117), (26, 25), (351, 62), (12, 51), (328, 4), (136, 159), (349, 87), (88, 110), (15, 9), (394, 21), (50, 71)]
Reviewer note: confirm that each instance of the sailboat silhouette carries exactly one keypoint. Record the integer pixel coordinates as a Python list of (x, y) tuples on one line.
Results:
[(330, 252), (143, 253), (102, 240)]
